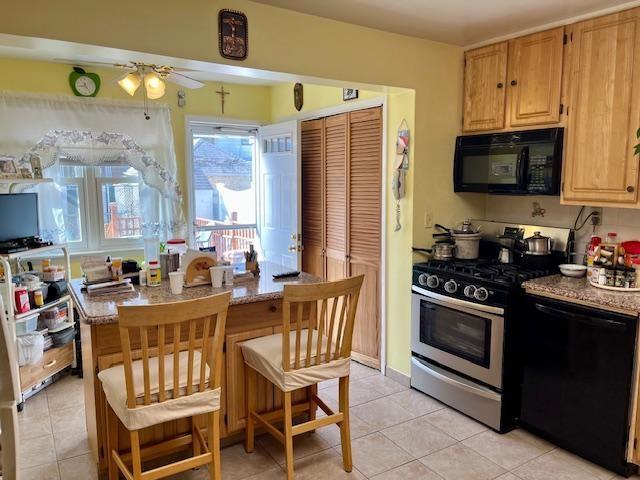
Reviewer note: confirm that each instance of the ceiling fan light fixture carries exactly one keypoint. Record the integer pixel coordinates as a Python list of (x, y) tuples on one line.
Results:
[(130, 83), (154, 85)]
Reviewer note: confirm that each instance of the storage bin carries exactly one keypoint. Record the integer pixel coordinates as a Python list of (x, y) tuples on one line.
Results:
[(62, 337), (30, 348), (27, 325)]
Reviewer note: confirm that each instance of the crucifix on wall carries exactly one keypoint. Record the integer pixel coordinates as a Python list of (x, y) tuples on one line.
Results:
[(222, 94)]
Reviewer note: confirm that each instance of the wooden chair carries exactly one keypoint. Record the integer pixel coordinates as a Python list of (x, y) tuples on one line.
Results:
[(175, 374), (300, 357)]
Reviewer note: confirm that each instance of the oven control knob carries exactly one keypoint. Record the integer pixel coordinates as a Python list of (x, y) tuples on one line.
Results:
[(481, 294), (422, 279), (433, 281), (451, 286), (469, 291)]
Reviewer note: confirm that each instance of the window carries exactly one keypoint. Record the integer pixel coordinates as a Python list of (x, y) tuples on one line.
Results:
[(101, 207), (222, 167)]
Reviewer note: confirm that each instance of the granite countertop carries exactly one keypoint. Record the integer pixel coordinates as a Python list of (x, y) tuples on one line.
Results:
[(578, 290), (105, 310)]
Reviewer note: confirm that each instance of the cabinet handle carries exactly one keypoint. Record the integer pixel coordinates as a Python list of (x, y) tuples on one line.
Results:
[(514, 82), (630, 189), (273, 308), (500, 85), (51, 363)]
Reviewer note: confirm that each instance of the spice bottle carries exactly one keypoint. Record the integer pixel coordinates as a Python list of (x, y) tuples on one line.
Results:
[(154, 275)]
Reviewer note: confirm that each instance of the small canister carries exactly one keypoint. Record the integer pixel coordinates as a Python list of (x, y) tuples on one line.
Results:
[(154, 278), (620, 278), (21, 299)]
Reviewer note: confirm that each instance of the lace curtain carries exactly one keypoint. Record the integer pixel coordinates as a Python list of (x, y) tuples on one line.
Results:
[(94, 132)]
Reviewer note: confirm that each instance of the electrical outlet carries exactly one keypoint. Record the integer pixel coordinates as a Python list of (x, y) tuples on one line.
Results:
[(428, 220), (596, 217)]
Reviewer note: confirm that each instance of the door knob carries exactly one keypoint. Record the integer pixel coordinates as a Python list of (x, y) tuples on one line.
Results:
[(630, 189), (292, 248)]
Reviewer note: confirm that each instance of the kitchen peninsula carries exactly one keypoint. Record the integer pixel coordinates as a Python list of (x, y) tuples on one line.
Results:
[(255, 311)]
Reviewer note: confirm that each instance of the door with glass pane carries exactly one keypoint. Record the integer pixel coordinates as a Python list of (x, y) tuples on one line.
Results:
[(223, 193), (280, 194)]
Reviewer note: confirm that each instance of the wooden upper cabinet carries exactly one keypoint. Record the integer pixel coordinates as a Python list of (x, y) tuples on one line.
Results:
[(535, 78), (485, 76), (604, 101)]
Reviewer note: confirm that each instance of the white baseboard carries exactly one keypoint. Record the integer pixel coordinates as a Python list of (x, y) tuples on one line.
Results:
[(399, 377)]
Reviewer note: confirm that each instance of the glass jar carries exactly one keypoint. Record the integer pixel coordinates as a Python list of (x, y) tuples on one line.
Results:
[(612, 237)]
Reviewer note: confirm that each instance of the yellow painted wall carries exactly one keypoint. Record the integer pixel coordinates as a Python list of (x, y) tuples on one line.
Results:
[(290, 42), (316, 97)]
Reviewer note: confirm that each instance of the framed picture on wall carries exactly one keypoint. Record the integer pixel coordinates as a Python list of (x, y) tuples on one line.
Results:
[(233, 34), (8, 167), (349, 94)]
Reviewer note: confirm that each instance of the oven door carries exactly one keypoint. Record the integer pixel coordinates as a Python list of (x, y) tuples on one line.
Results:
[(459, 336)]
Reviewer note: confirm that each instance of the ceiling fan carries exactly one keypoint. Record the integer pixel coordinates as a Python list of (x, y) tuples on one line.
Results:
[(152, 77)]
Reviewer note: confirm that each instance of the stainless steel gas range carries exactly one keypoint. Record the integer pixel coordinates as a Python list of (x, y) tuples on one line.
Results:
[(464, 333)]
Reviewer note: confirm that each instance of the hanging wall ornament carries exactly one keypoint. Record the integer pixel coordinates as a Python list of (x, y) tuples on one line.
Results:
[(298, 96), (402, 165)]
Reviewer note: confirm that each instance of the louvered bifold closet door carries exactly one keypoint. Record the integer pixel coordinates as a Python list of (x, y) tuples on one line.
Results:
[(364, 234), (312, 138), (336, 196)]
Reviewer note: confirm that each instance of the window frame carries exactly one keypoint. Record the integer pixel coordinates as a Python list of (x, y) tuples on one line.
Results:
[(92, 212), (104, 243), (212, 125)]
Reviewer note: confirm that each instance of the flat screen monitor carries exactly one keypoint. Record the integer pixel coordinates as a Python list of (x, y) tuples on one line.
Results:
[(18, 216)]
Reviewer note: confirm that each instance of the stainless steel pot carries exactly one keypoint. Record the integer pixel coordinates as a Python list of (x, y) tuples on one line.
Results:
[(444, 251), (538, 244), (467, 245)]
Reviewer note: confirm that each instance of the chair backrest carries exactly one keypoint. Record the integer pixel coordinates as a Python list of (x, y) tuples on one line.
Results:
[(159, 329), (328, 310)]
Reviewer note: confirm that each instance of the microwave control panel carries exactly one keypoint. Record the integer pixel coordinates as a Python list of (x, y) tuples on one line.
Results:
[(540, 174)]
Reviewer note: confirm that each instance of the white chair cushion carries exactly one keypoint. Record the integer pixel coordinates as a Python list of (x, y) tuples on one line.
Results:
[(114, 386), (264, 355)]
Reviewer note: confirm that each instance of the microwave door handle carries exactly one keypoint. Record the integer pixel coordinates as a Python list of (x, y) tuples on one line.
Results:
[(523, 167)]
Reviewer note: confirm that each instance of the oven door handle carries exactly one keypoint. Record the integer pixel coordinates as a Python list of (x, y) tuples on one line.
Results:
[(451, 301), (440, 375)]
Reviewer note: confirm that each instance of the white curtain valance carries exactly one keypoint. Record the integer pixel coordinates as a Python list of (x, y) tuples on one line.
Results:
[(93, 131)]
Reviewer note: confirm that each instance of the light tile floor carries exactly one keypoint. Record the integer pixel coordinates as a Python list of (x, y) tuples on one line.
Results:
[(397, 433)]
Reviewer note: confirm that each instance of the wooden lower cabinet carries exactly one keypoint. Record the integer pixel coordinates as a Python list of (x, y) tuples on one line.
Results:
[(235, 393), (53, 360)]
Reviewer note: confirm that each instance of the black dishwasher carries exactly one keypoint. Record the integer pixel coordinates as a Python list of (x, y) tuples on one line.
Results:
[(577, 378)]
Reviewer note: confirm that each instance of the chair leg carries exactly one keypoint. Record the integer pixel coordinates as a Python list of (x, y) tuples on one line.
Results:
[(313, 408), (136, 460), (213, 432), (195, 443), (112, 443), (250, 393), (288, 434), (345, 433)]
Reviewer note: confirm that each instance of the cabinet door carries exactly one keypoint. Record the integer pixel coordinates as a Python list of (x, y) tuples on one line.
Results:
[(312, 139), (336, 196), (485, 74), (236, 403), (535, 79), (364, 235), (600, 165)]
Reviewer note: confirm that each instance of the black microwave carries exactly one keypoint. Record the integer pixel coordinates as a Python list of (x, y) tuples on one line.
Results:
[(515, 163)]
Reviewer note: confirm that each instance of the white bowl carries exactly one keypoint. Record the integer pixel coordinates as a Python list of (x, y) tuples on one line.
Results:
[(573, 270)]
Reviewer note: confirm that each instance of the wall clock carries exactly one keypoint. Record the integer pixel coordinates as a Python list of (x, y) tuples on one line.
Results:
[(84, 84)]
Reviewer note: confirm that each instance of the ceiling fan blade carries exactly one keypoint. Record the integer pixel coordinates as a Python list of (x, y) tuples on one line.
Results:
[(183, 80)]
